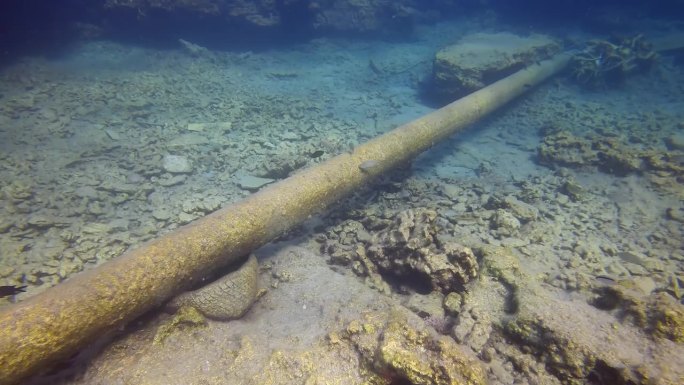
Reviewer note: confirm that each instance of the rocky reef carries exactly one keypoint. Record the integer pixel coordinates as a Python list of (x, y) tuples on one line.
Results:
[(608, 151), (406, 249), (400, 351), (360, 16)]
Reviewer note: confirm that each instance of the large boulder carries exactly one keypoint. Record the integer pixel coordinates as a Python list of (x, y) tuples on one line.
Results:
[(480, 59)]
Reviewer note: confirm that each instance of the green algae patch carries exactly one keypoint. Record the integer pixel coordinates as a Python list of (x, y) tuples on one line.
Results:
[(186, 317), (659, 314), (667, 318), (397, 350)]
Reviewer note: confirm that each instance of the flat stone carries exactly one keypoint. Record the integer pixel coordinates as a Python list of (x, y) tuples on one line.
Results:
[(5, 225), (96, 228), (86, 192), (45, 221), (51, 249), (523, 211), (188, 140), (430, 304), (118, 187), (616, 269), (452, 303), (174, 180), (6, 271), (177, 164), (210, 203), (197, 127), (503, 219), (218, 126), (513, 242), (632, 257), (184, 218), (288, 135), (203, 205), (675, 142), (253, 183), (645, 285), (119, 224), (161, 214), (113, 135), (191, 205), (635, 269), (452, 192), (652, 265), (675, 213)]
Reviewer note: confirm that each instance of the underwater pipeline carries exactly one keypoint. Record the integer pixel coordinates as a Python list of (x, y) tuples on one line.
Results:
[(57, 323)]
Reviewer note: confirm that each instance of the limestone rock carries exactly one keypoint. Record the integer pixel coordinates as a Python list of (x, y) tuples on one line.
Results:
[(18, 190), (576, 342), (201, 205), (174, 180), (161, 214), (216, 127), (427, 306), (403, 247), (452, 303), (483, 58), (675, 142), (565, 149), (86, 192), (5, 225), (177, 164), (675, 214), (409, 249), (504, 222), (411, 354), (253, 183), (188, 140), (523, 211), (607, 153), (658, 314)]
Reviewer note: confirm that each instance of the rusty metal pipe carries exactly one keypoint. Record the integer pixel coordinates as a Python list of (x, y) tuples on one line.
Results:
[(51, 326)]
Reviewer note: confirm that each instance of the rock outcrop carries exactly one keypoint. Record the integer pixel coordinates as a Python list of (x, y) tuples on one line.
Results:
[(361, 16), (480, 59)]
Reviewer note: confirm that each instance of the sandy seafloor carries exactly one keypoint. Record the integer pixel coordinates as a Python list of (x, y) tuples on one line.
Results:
[(82, 146)]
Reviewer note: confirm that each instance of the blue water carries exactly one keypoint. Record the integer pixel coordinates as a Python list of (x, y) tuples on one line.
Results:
[(121, 121)]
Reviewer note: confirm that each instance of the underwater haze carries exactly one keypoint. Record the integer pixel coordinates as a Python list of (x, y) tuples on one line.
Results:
[(284, 192)]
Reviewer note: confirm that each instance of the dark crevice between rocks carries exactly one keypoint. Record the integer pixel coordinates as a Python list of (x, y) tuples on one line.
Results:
[(511, 302), (603, 374), (399, 380), (408, 284)]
